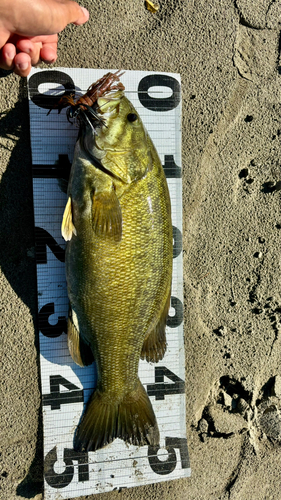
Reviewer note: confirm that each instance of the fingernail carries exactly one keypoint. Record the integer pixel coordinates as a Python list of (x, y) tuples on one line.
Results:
[(86, 12), (48, 61), (10, 55), (86, 15), (81, 20), (23, 66)]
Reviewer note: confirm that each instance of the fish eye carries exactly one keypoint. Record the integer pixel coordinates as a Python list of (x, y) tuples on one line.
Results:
[(132, 117)]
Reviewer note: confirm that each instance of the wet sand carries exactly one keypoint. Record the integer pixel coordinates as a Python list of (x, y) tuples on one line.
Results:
[(228, 55)]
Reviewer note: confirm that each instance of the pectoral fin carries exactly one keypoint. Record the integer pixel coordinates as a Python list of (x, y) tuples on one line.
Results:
[(80, 352), (67, 226), (154, 346), (107, 215)]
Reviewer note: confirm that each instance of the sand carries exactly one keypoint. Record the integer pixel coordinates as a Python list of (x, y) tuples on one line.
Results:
[(228, 56)]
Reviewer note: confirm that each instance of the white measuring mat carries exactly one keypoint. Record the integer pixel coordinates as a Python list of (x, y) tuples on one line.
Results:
[(66, 387)]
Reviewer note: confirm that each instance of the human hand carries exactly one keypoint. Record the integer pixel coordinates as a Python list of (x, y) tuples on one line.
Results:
[(29, 28)]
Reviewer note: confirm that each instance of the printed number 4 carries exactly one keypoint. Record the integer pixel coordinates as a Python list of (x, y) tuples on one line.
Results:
[(56, 398), (161, 389)]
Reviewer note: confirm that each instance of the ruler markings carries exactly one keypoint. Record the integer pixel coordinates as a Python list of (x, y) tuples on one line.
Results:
[(65, 386)]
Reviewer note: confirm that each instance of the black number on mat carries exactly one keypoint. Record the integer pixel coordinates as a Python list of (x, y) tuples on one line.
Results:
[(64, 479), (159, 104), (42, 240), (177, 319), (51, 331), (56, 398), (161, 389), (170, 168), (60, 170), (58, 77), (177, 242), (167, 466)]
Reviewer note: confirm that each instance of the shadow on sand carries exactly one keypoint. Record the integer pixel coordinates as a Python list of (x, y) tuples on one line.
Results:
[(17, 259)]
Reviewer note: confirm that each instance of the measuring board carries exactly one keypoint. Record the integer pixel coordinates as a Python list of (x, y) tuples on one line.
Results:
[(66, 387)]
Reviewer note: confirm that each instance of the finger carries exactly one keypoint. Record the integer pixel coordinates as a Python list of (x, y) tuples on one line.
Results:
[(7, 55), (83, 19), (48, 47), (46, 17), (48, 53), (42, 38), (74, 13), (30, 48), (4, 36), (54, 16), (67, 12), (22, 63)]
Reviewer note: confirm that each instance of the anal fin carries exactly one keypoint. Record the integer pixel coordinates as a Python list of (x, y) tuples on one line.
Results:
[(154, 346), (80, 352)]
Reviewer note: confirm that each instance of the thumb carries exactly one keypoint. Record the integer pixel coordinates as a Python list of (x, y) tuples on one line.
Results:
[(43, 17), (84, 18), (66, 12)]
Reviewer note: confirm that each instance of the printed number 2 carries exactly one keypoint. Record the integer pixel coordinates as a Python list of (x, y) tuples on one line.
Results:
[(42, 240), (167, 466)]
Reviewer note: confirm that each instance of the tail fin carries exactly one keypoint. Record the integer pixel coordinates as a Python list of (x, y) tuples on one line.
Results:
[(132, 420)]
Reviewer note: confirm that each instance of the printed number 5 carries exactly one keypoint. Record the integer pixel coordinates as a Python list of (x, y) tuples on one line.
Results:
[(63, 479), (167, 466)]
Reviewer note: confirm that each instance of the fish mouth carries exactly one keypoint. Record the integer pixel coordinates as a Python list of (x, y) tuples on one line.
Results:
[(108, 103), (97, 115), (94, 118)]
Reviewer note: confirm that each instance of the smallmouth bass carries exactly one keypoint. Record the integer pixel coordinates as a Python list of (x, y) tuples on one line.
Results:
[(117, 222)]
